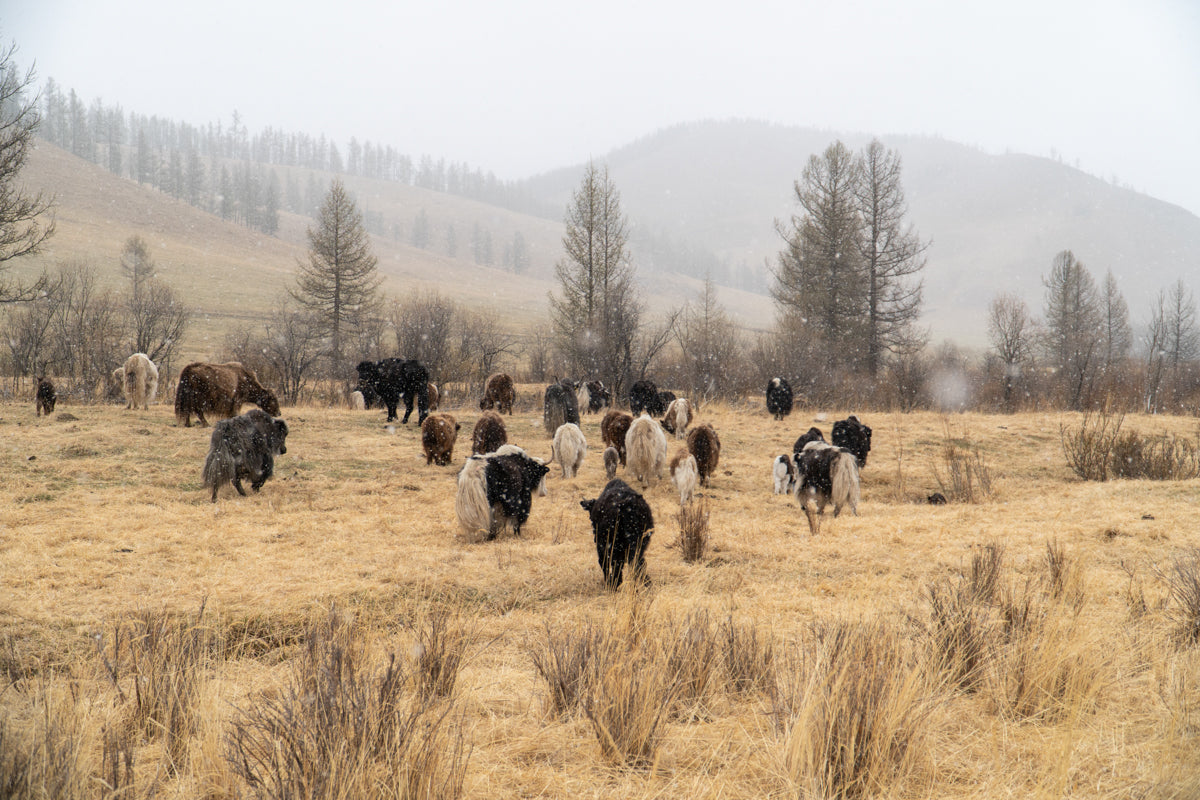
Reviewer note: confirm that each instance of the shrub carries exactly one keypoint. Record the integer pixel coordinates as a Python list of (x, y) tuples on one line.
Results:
[(1183, 583), (693, 531)]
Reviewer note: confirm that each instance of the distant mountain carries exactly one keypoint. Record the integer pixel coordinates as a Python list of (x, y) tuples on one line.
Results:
[(995, 222)]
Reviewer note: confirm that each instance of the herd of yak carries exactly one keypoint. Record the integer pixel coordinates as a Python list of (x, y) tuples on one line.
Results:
[(496, 484)]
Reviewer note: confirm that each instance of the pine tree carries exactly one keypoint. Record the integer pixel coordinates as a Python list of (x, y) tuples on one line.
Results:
[(338, 282)]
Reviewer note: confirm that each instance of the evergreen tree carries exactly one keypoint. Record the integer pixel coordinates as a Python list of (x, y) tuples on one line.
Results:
[(338, 282)]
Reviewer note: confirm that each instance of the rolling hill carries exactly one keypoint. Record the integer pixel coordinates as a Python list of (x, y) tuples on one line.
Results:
[(994, 223)]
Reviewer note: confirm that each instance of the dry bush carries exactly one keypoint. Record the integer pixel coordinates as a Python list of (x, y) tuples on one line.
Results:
[(563, 658), (961, 635), (440, 652), (1089, 448), (858, 729), (157, 663), (1183, 583), (748, 657), (692, 660), (1046, 670), (693, 531), (344, 728), (1063, 574), (965, 476), (1156, 458), (51, 760), (983, 581)]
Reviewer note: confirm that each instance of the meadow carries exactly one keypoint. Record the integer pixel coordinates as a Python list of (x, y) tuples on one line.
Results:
[(336, 635)]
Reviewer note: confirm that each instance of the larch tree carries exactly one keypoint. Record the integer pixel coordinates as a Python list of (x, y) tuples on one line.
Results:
[(892, 259), (338, 282), (26, 220), (1073, 318), (1010, 330), (596, 315), (1116, 335), (819, 277), (709, 343)]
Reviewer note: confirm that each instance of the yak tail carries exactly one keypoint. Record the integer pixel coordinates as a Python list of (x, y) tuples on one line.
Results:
[(471, 503), (220, 466), (846, 487), (133, 382)]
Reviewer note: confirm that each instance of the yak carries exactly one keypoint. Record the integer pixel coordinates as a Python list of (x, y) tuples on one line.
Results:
[(392, 379), (45, 396), (438, 434), (140, 377), (560, 406), (496, 490), (825, 474), (220, 389), (244, 447), (489, 434), (779, 397), (621, 526), (498, 393), (852, 435)]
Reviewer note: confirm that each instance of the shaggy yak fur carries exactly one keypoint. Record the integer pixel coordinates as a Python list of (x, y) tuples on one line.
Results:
[(679, 416), (141, 381), (779, 397), (438, 434), (683, 475), (435, 397), (219, 389), (621, 525), (392, 379), (569, 448), (702, 442), (498, 393), (244, 446), (613, 428), (612, 459), (592, 396), (560, 406), (643, 396), (496, 490), (489, 434), (357, 401), (783, 469), (812, 435), (826, 474), (45, 397), (850, 434), (646, 450)]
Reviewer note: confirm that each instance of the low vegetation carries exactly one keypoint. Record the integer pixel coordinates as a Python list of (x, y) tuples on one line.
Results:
[(335, 636)]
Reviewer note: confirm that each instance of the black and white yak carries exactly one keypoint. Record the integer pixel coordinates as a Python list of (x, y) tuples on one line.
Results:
[(852, 435), (779, 397), (811, 435), (496, 490), (825, 474), (621, 526), (244, 446), (392, 379), (678, 417), (593, 396), (783, 470)]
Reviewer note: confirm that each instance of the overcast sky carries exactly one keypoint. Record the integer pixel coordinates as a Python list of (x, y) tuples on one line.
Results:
[(519, 86)]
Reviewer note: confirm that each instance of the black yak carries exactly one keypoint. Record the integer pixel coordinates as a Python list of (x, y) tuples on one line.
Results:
[(244, 446), (812, 435), (621, 525), (45, 397), (644, 396), (852, 435), (392, 379), (593, 396), (560, 406), (779, 397)]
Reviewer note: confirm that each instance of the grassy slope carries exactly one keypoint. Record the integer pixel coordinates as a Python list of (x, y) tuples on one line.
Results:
[(104, 515)]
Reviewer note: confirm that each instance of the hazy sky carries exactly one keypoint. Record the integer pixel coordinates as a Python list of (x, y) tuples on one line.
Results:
[(519, 86)]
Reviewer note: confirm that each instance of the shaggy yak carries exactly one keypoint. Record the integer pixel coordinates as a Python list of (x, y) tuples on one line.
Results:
[(244, 446), (679, 416), (357, 401), (435, 397), (646, 450), (825, 474), (621, 525), (850, 434), (392, 379), (783, 469), (560, 406), (702, 442), (45, 397), (683, 475), (498, 393), (568, 449), (779, 397), (496, 490), (612, 459), (438, 434), (643, 396), (489, 434), (220, 389), (592, 396), (613, 428), (812, 435), (141, 381)]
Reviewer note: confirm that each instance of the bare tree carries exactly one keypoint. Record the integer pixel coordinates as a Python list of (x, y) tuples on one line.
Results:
[(424, 324), (1117, 336), (709, 341), (26, 220), (1172, 342), (292, 347), (1010, 330), (893, 257), (157, 318)]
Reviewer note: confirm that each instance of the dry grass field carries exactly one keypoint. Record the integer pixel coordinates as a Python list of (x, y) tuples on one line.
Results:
[(1027, 644)]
